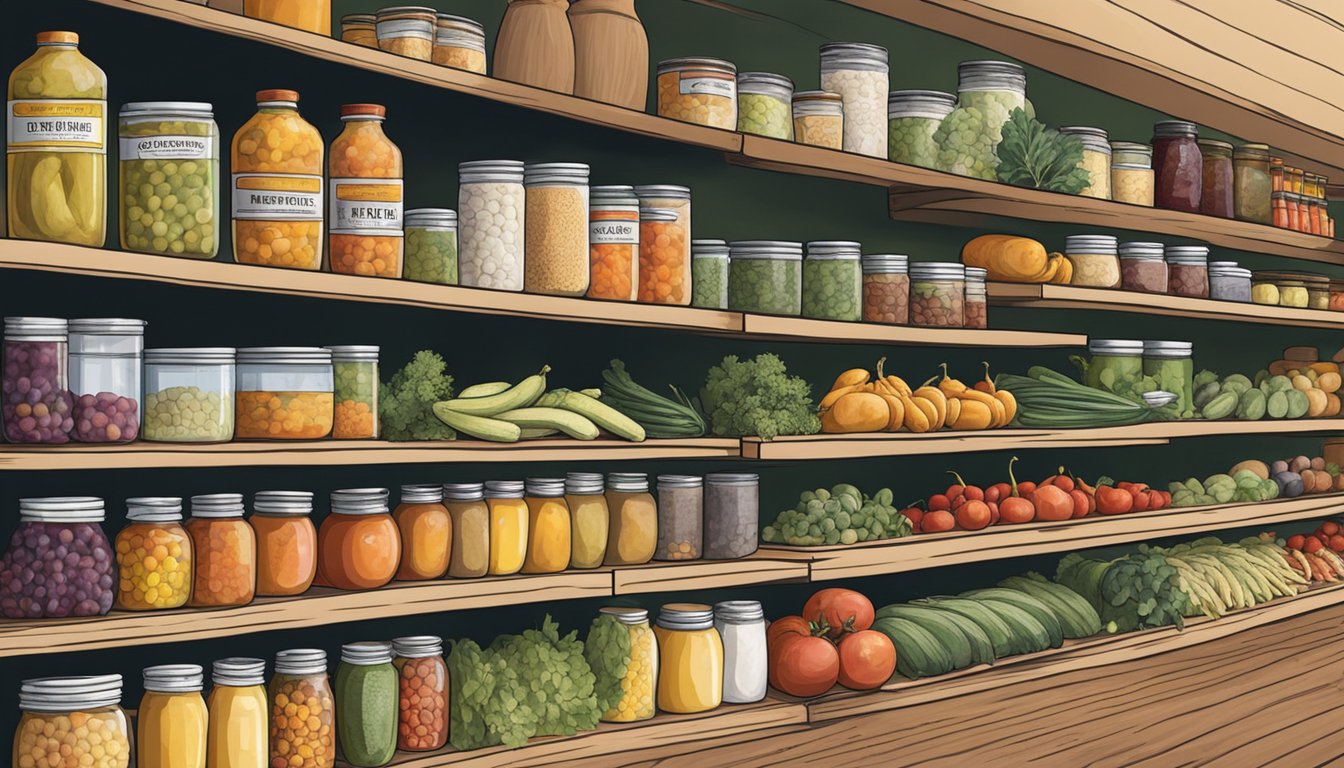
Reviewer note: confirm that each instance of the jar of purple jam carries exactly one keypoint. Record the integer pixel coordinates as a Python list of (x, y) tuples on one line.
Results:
[(59, 562), (37, 406), (106, 356), (1178, 166)]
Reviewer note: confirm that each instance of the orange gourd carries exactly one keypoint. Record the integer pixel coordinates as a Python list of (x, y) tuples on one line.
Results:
[(857, 412)]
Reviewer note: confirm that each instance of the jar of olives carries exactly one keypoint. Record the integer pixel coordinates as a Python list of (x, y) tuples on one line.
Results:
[(886, 289), (913, 118), (709, 274), (169, 160), (355, 379), (833, 281), (431, 245), (765, 276), (189, 395), (938, 294), (764, 105)]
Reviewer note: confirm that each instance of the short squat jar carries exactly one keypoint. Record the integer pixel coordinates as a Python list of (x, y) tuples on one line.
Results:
[(431, 246), (37, 403), (360, 29), (491, 210), (833, 281), (1188, 267), (79, 720), (732, 515), (189, 395), (459, 43), (1132, 173), (938, 294), (1178, 167), (681, 517), (886, 289), (1095, 260), (59, 562), (709, 274), (1143, 267), (765, 276), (819, 119), (407, 30), (913, 117), (1096, 160), (284, 393), (698, 90), (858, 72), (1229, 282), (106, 361), (764, 105)]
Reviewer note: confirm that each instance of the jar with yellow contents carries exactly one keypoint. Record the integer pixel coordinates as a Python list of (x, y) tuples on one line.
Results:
[(284, 393), (366, 196), (72, 721), (154, 556), (459, 43), (508, 526), (635, 659), (277, 186), (225, 548), (303, 714), (360, 29), (588, 519), (698, 90), (171, 730), (690, 659), (238, 718), (632, 533), (548, 526), (470, 556), (426, 532)]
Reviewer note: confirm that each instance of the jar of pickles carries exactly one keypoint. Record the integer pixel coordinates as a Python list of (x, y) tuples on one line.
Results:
[(1188, 270), (913, 118), (764, 105), (819, 119), (300, 685), (833, 281), (636, 701), (426, 531), (277, 186), (355, 392), (470, 555), (664, 258), (556, 231), (37, 405), (286, 542), (1229, 282), (858, 72), (284, 393), (105, 384), (709, 274), (59, 562), (238, 720), (491, 205), (422, 693), (632, 535), (977, 298), (407, 30), (1096, 160), (171, 720), (431, 246), (367, 692), (1216, 187), (1251, 183), (169, 178), (359, 544), (681, 517), (732, 515), (589, 519), (459, 43), (741, 626), (886, 288), (366, 196), (698, 90), (1116, 366), (1143, 267), (1095, 260), (360, 29), (79, 720), (508, 526), (613, 243), (938, 294), (690, 659), (548, 526), (1132, 173), (1171, 367), (154, 556), (189, 395), (1177, 166), (225, 551), (765, 276)]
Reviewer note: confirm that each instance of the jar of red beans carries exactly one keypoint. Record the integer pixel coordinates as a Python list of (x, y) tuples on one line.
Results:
[(1188, 270), (422, 720), (37, 406), (59, 562), (1143, 267), (938, 294), (977, 298), (106, 358), (1177, 165), (1216, 187), (886, 289)]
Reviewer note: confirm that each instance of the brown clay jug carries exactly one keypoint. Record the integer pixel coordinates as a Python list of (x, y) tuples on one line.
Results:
[(535, 45), (611, 52)]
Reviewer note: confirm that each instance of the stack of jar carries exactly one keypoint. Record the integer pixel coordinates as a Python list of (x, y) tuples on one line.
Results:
[(1120, 366), (1299, 200)]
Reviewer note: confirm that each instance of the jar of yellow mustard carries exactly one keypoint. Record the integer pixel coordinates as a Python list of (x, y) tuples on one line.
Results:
[(632, 533), (588, 519), (172, 718), (641, 672), (690, 659), (238, 719), (508, 526), (548, 527)]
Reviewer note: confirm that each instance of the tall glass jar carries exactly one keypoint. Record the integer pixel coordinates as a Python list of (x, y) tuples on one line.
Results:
[(359, 544), (833, 281), (355, 392), (732, 515), (277, 168), (1095, 260), (1096, 159), (858, 72), (556, 235), (1116, 366), (1216, 187), (1143, 267), (1132, 173), (641, 672), (154, 556), (1188, 268), (1278, 206), (690, 659), (764, 104), (77, 719), (105, 364), (360, 29), (977, 298), (169, 178), (37, 406), (431, 246), (913, 117), (300, 681), (819, 119), (491, 206), (367, 696), (426, 531), (681, 517), (672, 198), (470, 555), (366, 196), (613, 243), (987, 93), (422, 693), (1171, 367), (189, 395), (286, 542), (549, 528), (284, 393), (225, 549), (765, 276), (171, 721), (508, 526), (237, 723), (698, 90), (57, 168), (53, 534), (741, 625), (886, 289), (589, 519), (938, 294), (632, 535), (459, 43), (1251, 183), (407, 30), (664, 258), (709, 274), (1177, 166)]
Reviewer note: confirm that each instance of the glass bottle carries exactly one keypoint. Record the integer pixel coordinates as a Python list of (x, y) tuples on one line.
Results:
[(238, 722), (366, 196), (548, 526), (154, 556), (300, 681), (426, 532), (588, 519), (225, 549), (286, 542), (171, 721)]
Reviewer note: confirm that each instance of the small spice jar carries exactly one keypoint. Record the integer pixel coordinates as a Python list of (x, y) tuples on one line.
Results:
[(106, 363), (977, 298), (171, 719), (470, 555), (641, 667), (681, 516), (355, 383), (508, 526), (78, 720), (284, 393), (765, 276), (632, 534), (238, 719), (613, 243), (367, 695), (1264, 289), (154, 557), (1096, 159), (1217, 188), (1132, 173), (886, 289), (431, 246), (422, 693), (709, 274), (360, 29), (189, 395), (407, 30), (732, 515), (459, 43), (1143, 267), (426, 531), (913, 117), (1095, 260), (764, 104), (818, 119), (491, 205), (1188, 270), (36, 579), (833, 280), (741, 625), (698, 90), (300, 682), (556, 230), (859, 73), (1229, 282), (359, 544), (938, 294), (690, 659), (1252, 184), (286, 542), (1177, 165), (548, 525), (225, 549)]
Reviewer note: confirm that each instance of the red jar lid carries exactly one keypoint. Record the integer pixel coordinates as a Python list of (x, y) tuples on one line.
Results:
[(67, 38), (277, 94), (354, 110)]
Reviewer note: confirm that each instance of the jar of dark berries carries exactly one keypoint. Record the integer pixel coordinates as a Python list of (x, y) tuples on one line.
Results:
[(37, 405), (59, 562), (106, 358)]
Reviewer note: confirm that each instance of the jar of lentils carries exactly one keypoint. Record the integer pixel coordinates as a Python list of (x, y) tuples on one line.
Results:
[(764, 104), (1094, 259), (977, 298), (79, 720), (169, 162), (1188, 267), (681, 514), (732, 515), (709, 274), (556, 231), (765, 276), (938, 294), (431, 245), (819, 119), (1143, 267), (698, 90), (491, 207), (886, 289), (1229, 282), (858, 72), (37, 406), (833, 281), (59, 562)]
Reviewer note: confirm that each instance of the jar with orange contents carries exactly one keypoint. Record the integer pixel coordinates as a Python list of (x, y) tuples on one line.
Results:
[(426, 532), (664, 258), (153, 556), (422, 702), (358, 545), (277, 186), (286, 542), (613, 243), (284, 393), (303, 711), (673, 198), (355, 381), (366, 196), (225, 549)]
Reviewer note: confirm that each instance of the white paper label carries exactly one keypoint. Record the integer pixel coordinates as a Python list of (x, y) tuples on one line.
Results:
[(366, 207), (712, 86), (613, 232), (46, 124), (277, 197), (167, 147)]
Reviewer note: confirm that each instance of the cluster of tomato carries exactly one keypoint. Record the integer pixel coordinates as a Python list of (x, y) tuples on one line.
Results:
[(1058, 497), (830, 642), (1328, 535)]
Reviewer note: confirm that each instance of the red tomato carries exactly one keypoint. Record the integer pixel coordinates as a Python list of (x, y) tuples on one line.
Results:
[(1025, 489), (803, 666), (841, 609), (1336, 542), (1142, 500), (915, 514), (1296, 541), (789, 625), (1312, 545), (939, 501), (1329, 527), (973, 515), (867, 660), (1082, 503), (1015, 509), (937, 521)]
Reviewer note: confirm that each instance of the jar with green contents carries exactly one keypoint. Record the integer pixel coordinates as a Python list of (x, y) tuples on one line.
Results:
[(1096, 159), (833, 281), (431, 246), (355, 378), (367, 700), (169, 180), (189, 395), (913, 119), (1170, 367), (1116, 367), (987, 93), (709, 274), (765, 276), (636, 701), (764, 105), (1251, 183)]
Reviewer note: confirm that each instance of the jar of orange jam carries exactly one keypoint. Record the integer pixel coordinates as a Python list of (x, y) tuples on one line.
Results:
[(548, 528), (358, 545), (226, 551), (308, 15), (366, 196), (286, 542), (508, 526), (284, 393), (426, 532)]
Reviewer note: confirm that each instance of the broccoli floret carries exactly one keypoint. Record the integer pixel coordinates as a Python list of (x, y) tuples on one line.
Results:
[(406, 402), (758, 397)]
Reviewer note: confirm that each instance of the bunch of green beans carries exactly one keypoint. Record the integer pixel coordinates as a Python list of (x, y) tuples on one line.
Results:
[(1047, 398)]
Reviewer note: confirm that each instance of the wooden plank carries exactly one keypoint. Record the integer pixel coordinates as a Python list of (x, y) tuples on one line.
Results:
[(795, 328), (760, 568)]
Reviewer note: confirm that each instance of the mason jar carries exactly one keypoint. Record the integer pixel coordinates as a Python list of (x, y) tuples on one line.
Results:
[(833, 281), (169, 178), (681, 516), (709, 274), (1251, 183), (913, 117), (819, 119), (741, 625), (886, 288), (1178, 166), (1132, 173), (106, 357), (189, 395), (491, 210), (1171, 366), (556, 235), (732, 515), (613, 243), (977, 298), (355, 392), (431, 246), (1095, 260), (858, 72), (459, 43), (35, 582), (764, 105), (1188, 268), (938, 294), (1096, 160), (765, 276), (284, 393), (1229, 282), (987, 93), (78, 719), (698, 90), (37, 406)]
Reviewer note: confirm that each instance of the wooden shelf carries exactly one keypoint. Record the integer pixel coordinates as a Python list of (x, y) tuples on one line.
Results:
[(795, 328)]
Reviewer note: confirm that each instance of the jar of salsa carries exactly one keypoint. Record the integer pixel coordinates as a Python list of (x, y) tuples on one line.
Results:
[(301, 684), (426, 532), (422, 693), (286, 542), (548, 526), (632, 535), (358, 545), (226, 551), (1177, 165), (1251, 183), (470, 555), (508, 526), (588, 519), (1216, 194)]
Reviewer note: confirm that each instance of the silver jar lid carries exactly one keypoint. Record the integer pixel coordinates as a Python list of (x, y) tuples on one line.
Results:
[(988, 75), (1142, 251), (934, 105), (680, 481), (354, 353), (36, 328), (431, 218), (662, 215), (561, 174), (937, 270), (885, 264), (1188, 254), (190, 356), (217, 505), (1216, 269), (284, 356), (501, 171), (848, 250), (1174, 128), (857, 55), (732, 478), (366, 654), (628, 482), (107, 326), (688, 617), (173, 678), (447, 23), (69, 694), (504, 489), (360, 501), (463, 491), (238, 671), (661, 191), (1132, 147), (584, 483), (417, 646), (1115, 347), (630, 617), (818, 103), (697, 62), (154, 509), (185, 110), (612, 194), (977, 275), (739, 612), (775, 250), (1168, 348), (287, 503), (709, 249), (421, 494), (545, 487), (62, 509), (301, 661), (765, 83), (1102, 244), (1094, 139)]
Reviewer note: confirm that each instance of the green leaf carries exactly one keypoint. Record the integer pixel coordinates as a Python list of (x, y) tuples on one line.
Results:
[(1033, 155)]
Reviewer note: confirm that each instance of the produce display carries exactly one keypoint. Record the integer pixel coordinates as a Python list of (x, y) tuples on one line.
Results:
[(1254, 480), (831, 641), (757, 397), (858, 402), (840, 515)]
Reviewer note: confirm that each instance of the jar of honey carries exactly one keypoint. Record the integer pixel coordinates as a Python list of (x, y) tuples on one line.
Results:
[(226, 551), (508, 526), (286, 542), (358, 545), (426, 531), (548, 526)]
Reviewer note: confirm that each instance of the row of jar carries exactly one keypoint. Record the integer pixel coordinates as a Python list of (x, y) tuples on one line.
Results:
[(1121, 365), (60, 563), (420, 33), (1100, 261)]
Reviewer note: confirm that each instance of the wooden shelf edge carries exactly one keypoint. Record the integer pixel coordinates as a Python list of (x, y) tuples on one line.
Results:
[(794, 328)]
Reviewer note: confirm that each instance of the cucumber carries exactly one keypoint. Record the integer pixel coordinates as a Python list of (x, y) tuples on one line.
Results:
[(570, 423), (520, 395), (963, 638), (532, 433), (595, 411), (1000, 635), (481, 427), (1038, 610), (918, 653), (1077, 616), (484, 390), (1028, 633)]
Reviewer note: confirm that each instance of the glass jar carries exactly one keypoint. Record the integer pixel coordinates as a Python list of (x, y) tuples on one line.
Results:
[(53, 533), (886, 289), (977, 298), (1096, 160), (79, 720), (38, 407), (308, 15), (1276, 175), (1178, 166), (1251, 183), (1292, 290), (556, 235), (508, 526), (1132, 173), (819, 119), (548, 526), (284, 393), (1317, 216), (286, 542), (589, 519), (491, 205), (237, 723), (668, 197), (1294, 180), (105, 384), (355, 392), (938, 294), (741, 625), (664, 258), (407, 30), (1264, 290), (1095, 260), (690, 659), (154, 556), (1143, 267), (367, 696), (426, 531), (681, 517), (641, 670), (1188, 270), (732, 515), (765, 276), (171, 721), (431, 246), (858, 72), (709, 274), (987, 93), (913, 117), (1171, 367), (359, 544), (613, 243), (169, 178), (300, 681), (1216, 193), (698, 90), (1278, 204), (459, 43), (764, 105), (57, 169), (833, 281), (632, 534), (1116, 366), (360, 29), (1337, 295), (422, 693), (1318, 291), (189, 395), (277, 203), (366, 196), (225, 549), (1229, 282), (470, 516)]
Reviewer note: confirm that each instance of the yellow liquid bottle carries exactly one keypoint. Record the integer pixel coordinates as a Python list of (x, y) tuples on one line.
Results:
[(548, 526), (172, 718)]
